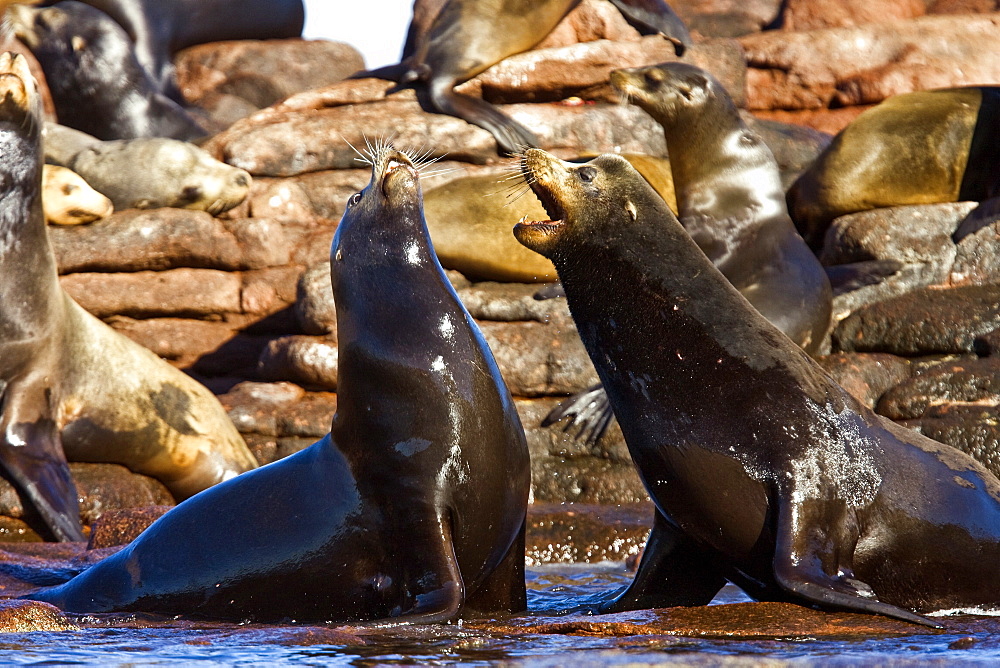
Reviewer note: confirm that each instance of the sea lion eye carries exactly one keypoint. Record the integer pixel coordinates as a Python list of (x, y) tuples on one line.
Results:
[(587, 174), (355, 198)]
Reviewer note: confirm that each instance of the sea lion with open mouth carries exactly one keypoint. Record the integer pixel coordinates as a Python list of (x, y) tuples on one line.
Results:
[(763, 470)]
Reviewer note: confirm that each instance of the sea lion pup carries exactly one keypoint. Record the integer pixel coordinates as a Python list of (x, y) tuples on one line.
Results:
[(467, 37), (70, 385), (160, 28), (762, 469), (69, 200), (730, 200), (917, 148), (96, 82), (412, 507)]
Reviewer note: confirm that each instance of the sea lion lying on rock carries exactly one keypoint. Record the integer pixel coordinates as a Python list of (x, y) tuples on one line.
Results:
[(174, 173), (917, 148)]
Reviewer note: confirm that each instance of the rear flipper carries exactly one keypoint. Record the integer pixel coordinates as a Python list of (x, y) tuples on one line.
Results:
[(511, 136), (654, 16), (31, 454), (589, 411), (673, 571), (503, 589), (798, 570)]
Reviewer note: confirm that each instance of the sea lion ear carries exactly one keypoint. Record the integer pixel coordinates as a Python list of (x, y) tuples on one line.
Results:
[(78, 43), (633, 212)]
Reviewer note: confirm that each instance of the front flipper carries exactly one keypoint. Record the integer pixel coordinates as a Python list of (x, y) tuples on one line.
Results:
[(503, 589), (589, 411), (31, 454), (655, 16), (511, 136), (673, 571), (798, 570)]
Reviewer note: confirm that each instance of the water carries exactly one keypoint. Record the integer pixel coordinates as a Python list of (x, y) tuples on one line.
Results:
[(136, 640)]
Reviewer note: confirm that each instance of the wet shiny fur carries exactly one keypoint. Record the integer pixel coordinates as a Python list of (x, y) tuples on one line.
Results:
[(763, 470), (412, 508)]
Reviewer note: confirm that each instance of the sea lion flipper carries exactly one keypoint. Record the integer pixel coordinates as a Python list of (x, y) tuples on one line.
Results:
[(438, 576), (32, 456), (511, 136), (798, 570), (654, 16), (673, 571), (588, 410), (503, 590)]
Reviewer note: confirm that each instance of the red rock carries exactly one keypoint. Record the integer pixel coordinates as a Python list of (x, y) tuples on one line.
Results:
[(839, 67), (177, 292), (21, 616), (180, 340), (121, 527), (814, 14)]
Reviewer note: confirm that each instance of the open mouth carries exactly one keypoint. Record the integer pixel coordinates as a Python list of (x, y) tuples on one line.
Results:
[(557, 215)]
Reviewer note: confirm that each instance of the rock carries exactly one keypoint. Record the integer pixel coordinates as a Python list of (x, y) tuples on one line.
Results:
[(314, 307), (974, 430), (262, 72), (267, 291), (121, 527), (589, 21), (827, 121), (746, 621), (306, 360), (840, 67), (539, 359), (585, 533), (727, 18), (859, 284), (507, 302), (813, 14), (180, 340), (918, 234), (177, 292), (866, 376), (19, 616), (924, 322), (978, 255), (967, 383), (286, 143)]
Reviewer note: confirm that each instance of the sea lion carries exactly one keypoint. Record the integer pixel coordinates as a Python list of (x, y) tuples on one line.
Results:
[(71, 386), (160, 28), (730, 200), (96, 82), (762, 469), (175, 173), (469, 220), (412, 507), (467, 37), (69, 200), (916, 148)]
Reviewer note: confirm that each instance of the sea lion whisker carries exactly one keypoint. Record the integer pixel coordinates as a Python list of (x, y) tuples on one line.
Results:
[(362, 157), (441, 172)]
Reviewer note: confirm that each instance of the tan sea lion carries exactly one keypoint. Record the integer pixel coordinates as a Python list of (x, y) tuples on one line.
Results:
[(69, 200), (71, 386), (916, 148)]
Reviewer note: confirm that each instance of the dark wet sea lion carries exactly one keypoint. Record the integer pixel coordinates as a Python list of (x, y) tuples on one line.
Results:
[(96, 82), (467, 37), (413, 506), (916, 148), (161, 28), (70, 385), (730, 200), (763, 470)]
